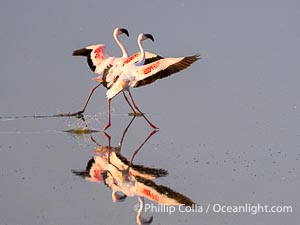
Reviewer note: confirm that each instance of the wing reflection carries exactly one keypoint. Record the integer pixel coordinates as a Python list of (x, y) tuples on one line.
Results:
[(126, 179)]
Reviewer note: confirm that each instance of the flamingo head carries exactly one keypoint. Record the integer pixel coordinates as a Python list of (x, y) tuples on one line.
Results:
[(119, 31), (143, 37)]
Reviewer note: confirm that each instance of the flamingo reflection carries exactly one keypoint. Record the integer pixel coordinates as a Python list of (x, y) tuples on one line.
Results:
[(126, 179)]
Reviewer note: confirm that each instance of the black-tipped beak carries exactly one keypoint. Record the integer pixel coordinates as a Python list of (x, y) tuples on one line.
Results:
[(123, 30), (149, 36), (120, 197)]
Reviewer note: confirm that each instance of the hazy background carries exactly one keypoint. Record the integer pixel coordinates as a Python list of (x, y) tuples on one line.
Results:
[(229, 125)]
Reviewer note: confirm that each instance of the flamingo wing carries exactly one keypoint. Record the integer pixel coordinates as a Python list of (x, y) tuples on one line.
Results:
[(142, 171), (105, 77), (95, 55), (150, 57), (119, 65), (86, 173), (162, 68), (160, 194), (92, 172)]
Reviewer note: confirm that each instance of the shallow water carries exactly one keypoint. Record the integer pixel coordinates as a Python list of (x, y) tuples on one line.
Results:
[(229, 124)]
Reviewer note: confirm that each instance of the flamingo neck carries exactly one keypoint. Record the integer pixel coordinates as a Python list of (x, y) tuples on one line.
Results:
[(139, 214), (142, 55), (124, 50)]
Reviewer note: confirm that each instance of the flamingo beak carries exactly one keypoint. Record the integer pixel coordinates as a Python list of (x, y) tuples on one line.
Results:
[(149, 36), (124, 31)]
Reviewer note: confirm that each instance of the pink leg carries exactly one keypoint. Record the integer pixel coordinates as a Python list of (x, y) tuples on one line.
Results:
[(134, 111), (85, 105), (124, 132), (109, 149), (136, 108), (108, 123), (139, 148), (88, 99)]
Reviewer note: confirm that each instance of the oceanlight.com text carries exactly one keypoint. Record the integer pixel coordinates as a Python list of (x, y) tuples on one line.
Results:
[(252, 209)]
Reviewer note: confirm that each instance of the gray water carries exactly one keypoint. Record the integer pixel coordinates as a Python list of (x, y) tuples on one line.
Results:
[(229, 125)]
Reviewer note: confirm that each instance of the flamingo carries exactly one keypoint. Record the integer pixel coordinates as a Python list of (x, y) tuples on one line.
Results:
[(111, 81), (137, 74), (98, 60), (97, 57)]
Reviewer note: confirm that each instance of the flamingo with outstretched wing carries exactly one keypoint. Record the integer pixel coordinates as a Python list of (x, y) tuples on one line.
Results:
[(137, 74)]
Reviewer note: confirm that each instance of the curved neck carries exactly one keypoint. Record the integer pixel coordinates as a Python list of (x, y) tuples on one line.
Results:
[(139, 219), (142, 55), (124, 50)]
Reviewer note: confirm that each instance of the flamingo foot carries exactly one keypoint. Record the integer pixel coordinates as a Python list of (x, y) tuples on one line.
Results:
[(79, 113), (137, 114), (153, 126)]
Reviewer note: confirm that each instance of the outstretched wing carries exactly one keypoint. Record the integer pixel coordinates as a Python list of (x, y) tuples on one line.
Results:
[(85, 173), (151, 57), (117, 66), (161, 194), (142, 171), (162, 68), (95, 55), (92, 172)]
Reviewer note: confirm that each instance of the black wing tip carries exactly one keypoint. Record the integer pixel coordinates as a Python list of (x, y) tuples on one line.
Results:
[(82, 52), (87, 53), (155, 172), (86, 172), (104, 75), (152, 59), (82, 174), (194, 58), (188, 61), (144, 170)]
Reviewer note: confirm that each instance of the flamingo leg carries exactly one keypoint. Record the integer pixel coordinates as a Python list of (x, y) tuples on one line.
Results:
[(125, 131), (88, 99), (108, 123), (135, 111), (139, 148), (142, 114), (94, 140), (86, 103), (109, 149)]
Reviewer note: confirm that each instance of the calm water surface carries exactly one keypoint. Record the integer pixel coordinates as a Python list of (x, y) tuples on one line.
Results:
[(229, 125)]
